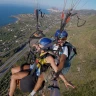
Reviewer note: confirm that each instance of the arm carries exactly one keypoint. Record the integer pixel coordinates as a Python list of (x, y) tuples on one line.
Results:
[(36, 46), (67, 84), (63, 58), (63, 78), (62, 62), (53, 65), (50, 60)]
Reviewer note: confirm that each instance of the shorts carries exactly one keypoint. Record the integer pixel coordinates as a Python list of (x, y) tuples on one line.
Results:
[(66, 68), (28, 83)]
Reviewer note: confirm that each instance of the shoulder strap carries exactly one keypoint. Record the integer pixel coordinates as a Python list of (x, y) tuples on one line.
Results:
[(33, 70), (46, 55), (69, 46)]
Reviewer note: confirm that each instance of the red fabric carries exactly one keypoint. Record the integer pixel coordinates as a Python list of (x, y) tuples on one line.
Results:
[(37, 61), (68, 19), (62, 15)]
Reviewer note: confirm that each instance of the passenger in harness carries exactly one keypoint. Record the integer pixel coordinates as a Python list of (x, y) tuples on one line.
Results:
[(17, 73)]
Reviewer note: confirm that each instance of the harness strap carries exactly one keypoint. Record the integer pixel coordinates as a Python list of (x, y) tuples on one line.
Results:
[(52, 87), (66, 44), (33, 70), (21, 67)]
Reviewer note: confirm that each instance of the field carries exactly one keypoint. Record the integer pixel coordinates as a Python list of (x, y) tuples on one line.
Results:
[(83, 69)]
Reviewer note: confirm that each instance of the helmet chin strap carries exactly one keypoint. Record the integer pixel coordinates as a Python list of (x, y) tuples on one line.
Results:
[(64, 41), (61, 43)]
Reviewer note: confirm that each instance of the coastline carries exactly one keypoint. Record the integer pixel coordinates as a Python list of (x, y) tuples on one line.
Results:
[(16, 20), (12, 19), (16, 17)]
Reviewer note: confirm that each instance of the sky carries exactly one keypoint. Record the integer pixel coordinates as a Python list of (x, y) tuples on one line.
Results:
[(83, 4)]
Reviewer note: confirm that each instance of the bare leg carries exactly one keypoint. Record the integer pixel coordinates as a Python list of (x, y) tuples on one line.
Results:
[(14, 77), (39, 83), (17, 69)]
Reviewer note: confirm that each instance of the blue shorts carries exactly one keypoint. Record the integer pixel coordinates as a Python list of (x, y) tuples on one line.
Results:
[(66, 67), (65, 70)]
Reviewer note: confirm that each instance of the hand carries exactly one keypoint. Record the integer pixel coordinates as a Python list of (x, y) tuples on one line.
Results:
[(53, 75), (36, 46), (68, 84)]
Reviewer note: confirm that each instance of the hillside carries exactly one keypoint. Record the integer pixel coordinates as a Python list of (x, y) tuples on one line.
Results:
[(82, 72), (86, 12), (84, 39)]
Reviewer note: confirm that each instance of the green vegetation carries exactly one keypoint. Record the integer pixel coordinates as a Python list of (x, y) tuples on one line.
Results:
[(82, 72)]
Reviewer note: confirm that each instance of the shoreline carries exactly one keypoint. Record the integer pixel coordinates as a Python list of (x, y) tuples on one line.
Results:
[(16, 19)]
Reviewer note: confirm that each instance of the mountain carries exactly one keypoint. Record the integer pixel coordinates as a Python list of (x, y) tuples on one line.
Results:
[(86, 12)]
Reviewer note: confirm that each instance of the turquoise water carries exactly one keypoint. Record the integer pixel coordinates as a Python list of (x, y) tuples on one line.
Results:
[(6, 11)]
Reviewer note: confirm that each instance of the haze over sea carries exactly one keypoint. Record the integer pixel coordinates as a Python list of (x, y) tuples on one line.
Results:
[(6, 11)]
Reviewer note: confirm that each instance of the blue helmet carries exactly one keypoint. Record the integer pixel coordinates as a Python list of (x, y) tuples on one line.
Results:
[(45, 41), (60, 34)]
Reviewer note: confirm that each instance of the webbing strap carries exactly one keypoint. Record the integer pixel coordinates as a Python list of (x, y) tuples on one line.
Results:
[(33, 70), (53, 87)]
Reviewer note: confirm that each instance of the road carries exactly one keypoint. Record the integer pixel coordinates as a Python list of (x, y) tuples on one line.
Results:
[(10, 62)]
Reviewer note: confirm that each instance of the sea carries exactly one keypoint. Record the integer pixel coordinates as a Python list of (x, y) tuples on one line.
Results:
[(7, 10)]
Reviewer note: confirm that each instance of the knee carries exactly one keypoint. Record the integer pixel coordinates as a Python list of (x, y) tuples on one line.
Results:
[(13, 77), (15, 70), (12, 70)]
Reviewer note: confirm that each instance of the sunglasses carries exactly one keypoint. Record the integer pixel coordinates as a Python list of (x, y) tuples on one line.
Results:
[(61, 38)]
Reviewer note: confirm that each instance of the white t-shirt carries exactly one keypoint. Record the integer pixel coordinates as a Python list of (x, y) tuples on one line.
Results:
[(64, 50), (55, 47), (67, 64)]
